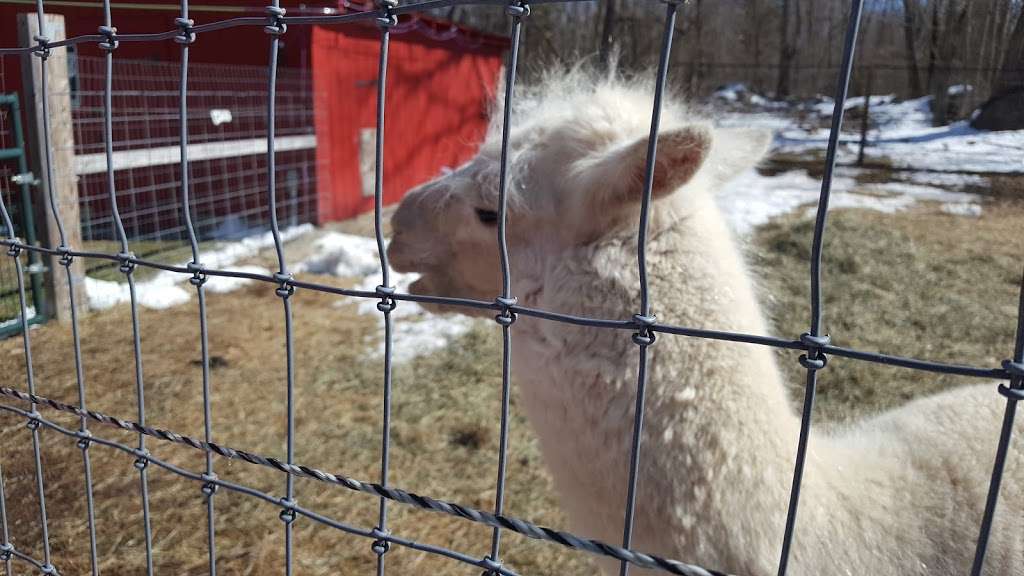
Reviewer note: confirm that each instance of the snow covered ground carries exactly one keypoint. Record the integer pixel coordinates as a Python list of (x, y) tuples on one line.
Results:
[(753, 199), (416, 332), (901, 133), (166, 289)]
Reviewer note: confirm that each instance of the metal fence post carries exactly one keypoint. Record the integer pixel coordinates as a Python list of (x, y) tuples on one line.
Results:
[(65, 186)]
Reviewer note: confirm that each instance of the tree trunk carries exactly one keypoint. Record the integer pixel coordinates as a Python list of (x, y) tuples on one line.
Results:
[(786, 53), (933, 44), (607, 34), (954, 20), (755, 24), (995, 59), (1011, 74), (694, 79), (913, 74)]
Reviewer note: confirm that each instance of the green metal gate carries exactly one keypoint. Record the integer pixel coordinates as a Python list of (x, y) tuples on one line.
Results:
[(15, 185)]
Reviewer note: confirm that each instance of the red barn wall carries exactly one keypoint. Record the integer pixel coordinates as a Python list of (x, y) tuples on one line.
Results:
[(438, 94)]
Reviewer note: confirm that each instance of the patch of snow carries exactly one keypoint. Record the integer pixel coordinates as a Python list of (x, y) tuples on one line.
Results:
[(157, 293), (958, 89), (729, 92), (752, 199), (947, 179), (30, 313), (343, 255), (962, 209), (165, 289), (416, 332)]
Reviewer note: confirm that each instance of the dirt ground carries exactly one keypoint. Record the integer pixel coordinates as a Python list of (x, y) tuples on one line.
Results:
[(921, 283)]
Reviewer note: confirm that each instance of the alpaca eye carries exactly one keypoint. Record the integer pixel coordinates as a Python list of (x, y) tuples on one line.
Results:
[(487, 217)]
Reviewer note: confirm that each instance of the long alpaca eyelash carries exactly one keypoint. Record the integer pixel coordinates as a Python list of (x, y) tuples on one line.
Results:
[(489, 217)]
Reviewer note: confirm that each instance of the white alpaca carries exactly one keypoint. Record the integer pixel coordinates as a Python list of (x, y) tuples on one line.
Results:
[(902, 493)]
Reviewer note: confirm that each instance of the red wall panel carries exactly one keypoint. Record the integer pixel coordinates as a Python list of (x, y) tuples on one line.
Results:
[(436, 111)]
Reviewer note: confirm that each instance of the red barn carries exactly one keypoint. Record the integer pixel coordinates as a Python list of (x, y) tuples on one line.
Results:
[(441, 78)]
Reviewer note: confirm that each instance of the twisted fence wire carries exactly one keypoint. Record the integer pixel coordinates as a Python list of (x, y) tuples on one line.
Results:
[(644, 326)]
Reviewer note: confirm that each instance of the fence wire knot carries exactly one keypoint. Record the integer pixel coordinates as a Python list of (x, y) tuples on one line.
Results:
[(210, 485), (1015, 369), (14, 250), (141, 459), (380, 545), (84, 439), (109, 42), (815, 359), (48, 569), (388, 19), (33, 421), (198, 271), (518, 9), (127, 260), (43, 43), (187, 36), (1011, 393), (287, 515), (65, 256), (506, 317), (277, 26), (6, 550), (491, 566), (644, 336), (387, 301), (285, 288)]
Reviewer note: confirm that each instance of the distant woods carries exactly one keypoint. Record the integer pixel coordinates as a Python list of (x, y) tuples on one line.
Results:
[(789, 48)]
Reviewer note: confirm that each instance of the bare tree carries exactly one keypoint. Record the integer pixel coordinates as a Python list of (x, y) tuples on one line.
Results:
[(1011, 74), (607, 34), (909, 30), (787, 50)]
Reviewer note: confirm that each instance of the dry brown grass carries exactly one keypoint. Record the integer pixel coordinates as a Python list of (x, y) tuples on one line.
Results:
[(444, 442), (922, 283)]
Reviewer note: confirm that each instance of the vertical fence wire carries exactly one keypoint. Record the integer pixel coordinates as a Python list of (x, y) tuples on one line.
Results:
[(127, 267), (644, 337), (1013, 393), (387, 304), (814, 359), (6, 548), (198, 279), (517, 12), (65, 262), (276, 27)]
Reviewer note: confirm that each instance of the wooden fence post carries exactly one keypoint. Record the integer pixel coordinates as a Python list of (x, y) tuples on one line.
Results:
[(62, 143)]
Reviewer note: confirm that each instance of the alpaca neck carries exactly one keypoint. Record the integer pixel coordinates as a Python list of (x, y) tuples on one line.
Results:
[(719, 433)]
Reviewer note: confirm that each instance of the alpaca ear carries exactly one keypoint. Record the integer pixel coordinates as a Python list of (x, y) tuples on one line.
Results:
[(618, 175)]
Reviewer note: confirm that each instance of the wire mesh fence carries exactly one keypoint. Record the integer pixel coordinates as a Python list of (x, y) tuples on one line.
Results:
[(642, 328), (227, 133)]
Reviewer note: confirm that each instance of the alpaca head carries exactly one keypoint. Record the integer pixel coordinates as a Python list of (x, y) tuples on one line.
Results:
[(577, 160)]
